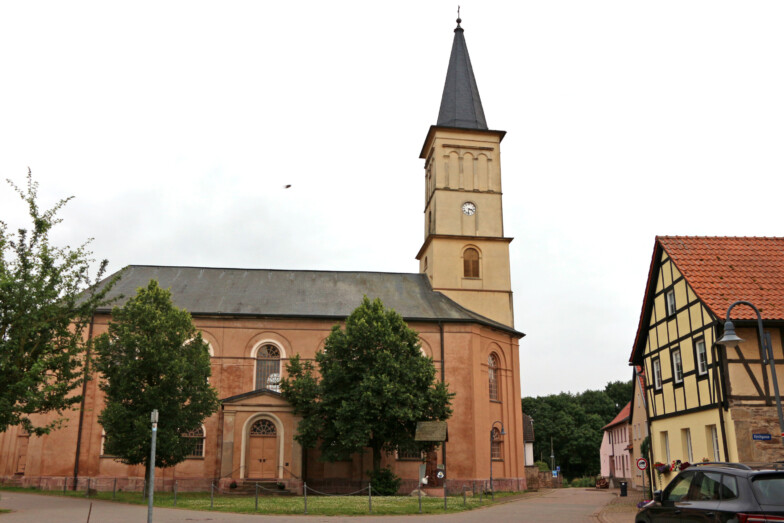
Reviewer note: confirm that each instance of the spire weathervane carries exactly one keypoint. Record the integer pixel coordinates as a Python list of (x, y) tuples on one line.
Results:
[(458, 16)]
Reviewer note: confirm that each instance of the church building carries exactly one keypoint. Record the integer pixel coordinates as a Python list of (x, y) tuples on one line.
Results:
[(460, 303)]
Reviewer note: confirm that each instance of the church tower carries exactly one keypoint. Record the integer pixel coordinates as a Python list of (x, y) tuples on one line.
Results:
[(465, 253)]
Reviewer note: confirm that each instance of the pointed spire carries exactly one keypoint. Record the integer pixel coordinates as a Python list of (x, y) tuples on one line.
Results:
[(460, 103)]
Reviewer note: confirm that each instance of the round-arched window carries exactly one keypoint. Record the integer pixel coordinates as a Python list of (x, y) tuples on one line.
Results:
[(492, 376), (263, 428), (268, 368), (470, 263)]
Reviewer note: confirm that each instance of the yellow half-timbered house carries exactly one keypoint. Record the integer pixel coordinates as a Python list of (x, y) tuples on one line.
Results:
[(705, 401)]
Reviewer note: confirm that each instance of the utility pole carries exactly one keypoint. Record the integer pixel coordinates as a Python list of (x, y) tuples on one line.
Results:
[(552, 455)]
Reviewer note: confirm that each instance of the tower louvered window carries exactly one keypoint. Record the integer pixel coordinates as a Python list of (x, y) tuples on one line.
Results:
[(471, 263)]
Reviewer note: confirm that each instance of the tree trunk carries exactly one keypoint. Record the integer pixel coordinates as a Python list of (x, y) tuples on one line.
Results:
[(376, 457)]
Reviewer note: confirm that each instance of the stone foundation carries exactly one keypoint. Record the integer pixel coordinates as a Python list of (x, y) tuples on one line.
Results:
[(757, 420)]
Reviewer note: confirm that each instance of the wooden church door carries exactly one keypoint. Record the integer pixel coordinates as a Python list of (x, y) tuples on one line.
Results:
[(263, 450)]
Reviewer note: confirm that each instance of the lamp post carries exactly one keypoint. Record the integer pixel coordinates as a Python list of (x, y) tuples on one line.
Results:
[(730, 338), (154, 420), (492, 439)]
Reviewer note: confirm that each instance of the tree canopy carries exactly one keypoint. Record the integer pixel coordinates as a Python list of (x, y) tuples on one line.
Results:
[(574, 422), (152, 357), (372, 386), (47, 299)]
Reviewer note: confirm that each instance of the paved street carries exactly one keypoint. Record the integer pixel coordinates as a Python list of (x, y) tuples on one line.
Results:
[(565, 505)]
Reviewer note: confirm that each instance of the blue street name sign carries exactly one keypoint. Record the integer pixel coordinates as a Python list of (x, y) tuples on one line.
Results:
[(761, 437)]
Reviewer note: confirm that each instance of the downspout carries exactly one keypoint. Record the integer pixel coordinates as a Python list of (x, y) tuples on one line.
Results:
[(81, 407), (443, 380)]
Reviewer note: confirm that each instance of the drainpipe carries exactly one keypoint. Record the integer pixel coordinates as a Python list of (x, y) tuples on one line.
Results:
[(443, 380), (81, 408)]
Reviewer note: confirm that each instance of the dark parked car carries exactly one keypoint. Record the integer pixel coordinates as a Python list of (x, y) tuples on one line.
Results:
[(725, 492)]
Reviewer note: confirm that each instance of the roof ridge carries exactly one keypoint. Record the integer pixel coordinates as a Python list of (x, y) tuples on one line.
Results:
[(268, 270)]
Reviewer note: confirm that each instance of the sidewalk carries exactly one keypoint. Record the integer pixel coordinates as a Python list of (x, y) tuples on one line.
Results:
[(621, 510)]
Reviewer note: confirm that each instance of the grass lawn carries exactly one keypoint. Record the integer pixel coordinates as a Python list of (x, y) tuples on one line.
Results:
[(317, 505)]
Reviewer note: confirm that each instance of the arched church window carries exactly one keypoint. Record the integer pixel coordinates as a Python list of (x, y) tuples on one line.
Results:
[(268, 368), (471, 263), (263, 428), (496, 450), (197, 436), (492, 376)]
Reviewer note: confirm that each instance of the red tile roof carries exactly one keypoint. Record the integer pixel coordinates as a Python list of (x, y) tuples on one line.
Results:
[(621, 417), (724, 269)]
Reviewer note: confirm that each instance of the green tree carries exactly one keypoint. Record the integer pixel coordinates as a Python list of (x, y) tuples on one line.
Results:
[(47, 299), (573, 422), (374, 386), (152, 357), (620, 392)]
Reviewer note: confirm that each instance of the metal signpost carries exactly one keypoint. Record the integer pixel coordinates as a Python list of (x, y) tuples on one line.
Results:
[(154, 419), (642, 464)]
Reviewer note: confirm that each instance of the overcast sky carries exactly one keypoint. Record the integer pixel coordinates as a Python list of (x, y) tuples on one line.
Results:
[(177, 125)]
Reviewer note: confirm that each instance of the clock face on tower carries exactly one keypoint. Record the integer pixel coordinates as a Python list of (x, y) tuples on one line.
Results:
[(469, 208)]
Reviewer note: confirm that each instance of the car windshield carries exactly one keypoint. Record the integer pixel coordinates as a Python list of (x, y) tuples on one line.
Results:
[(769, 489)]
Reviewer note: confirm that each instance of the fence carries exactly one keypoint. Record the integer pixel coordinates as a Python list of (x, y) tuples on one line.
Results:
[(477, 491)]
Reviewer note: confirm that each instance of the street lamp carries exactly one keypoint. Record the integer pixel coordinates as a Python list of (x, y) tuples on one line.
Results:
[(154, 420), (492, 439), (730, 339)]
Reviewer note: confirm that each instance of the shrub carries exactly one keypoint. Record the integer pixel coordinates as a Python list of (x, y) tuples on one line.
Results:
[(384, 482), (543, 466)]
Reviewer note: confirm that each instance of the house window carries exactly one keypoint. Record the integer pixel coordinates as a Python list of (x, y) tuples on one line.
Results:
[(268, 368), (496, 450), (492, 376), (670, 297), (677, 366), (657, 379), (409, 455), (702, 357), (665, 442), (471, 263), (197, 436), (714, 436), (686, 441)]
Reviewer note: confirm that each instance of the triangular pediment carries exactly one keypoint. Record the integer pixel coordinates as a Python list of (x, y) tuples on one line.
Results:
[(255, 398)]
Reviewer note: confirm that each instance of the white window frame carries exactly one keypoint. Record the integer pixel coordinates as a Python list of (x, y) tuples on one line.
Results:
[(677, 365), (702, 357), (715, 442), (687, 439), (666, 440), (657, 376), (669, 298)]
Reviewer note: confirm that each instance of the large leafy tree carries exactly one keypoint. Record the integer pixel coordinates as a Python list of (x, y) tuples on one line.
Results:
[(152, 357), (47, 299), (374, 386), (573, 422)]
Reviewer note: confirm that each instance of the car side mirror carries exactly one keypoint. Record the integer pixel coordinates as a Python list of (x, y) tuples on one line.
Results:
[(657, 496)]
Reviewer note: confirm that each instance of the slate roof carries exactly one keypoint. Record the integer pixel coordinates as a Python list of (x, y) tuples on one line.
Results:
[(724, 269), (302, 294), (621, 417), (460, 103)]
